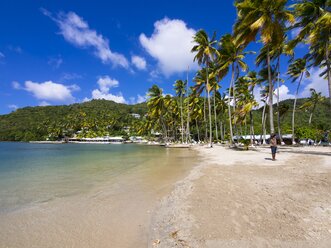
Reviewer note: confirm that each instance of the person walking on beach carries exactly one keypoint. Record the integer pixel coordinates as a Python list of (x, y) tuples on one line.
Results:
[(273, 145)]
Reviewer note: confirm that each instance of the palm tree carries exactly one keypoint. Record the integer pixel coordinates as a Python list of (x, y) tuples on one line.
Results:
[(296, 71), (314, 23), (196, 107), (180, 92), (205, 53), (252, 81), (156, 106), (269, 18), (231, 54), (312, 102)]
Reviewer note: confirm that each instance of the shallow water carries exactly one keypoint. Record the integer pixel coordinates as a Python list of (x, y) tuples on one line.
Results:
[(83, 195)]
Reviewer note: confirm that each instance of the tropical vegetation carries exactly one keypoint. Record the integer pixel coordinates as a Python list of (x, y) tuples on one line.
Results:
[(210, 108)]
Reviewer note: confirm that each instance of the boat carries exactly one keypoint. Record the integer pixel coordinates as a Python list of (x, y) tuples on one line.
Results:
[(169, 145), (97, 140)]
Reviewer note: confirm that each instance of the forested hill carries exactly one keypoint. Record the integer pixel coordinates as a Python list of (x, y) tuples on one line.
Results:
[(102, 117), (40, 123)]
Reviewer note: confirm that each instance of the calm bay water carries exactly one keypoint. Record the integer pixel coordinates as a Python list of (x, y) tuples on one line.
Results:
[(84, 195)]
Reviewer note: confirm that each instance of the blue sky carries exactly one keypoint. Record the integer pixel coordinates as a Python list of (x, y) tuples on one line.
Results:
[(61, 52)]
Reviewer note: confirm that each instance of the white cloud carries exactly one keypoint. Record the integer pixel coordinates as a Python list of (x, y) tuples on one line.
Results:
[(15, 49), (284, 93), (138, 99), (44, 103), (105, 84), (97, 94), (55, 62), (51, 91), (16, 85), (77, 32), (138, 62), (170, 45), (13, 107), (316, 82), (70, 76)]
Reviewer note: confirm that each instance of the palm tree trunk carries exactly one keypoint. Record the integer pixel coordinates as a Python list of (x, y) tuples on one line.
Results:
[(188, 137), (181, 116), (229, 106), (278, 114), (209, 111), (263, 123), (294, 105), (264, 129), (251, 129), (215, 116), (204, 117), (271, 112), (328, 69), (197, 127), (310, 118)]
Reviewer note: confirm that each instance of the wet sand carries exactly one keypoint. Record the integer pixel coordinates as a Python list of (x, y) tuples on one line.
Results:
[(243, 199), (112, 214)]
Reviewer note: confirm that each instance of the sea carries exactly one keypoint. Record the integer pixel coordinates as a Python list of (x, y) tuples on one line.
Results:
[(84, 195)]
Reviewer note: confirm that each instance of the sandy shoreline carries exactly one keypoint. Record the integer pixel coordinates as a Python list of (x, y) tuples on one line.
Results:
[(243, 199)]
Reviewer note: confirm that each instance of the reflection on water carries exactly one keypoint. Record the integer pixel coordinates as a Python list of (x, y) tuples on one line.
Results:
[(83, 195)]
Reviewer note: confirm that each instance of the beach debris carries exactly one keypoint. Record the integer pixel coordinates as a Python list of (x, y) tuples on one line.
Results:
[(156, 242), (174, 234)]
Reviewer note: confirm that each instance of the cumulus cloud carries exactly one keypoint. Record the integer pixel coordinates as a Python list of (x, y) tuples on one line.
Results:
[(44, 103), (77, 32), (50, 91), (105, 84), (316, 82), (284, 93), (170, 44), (13, 107), (138, 99), (138, 62)]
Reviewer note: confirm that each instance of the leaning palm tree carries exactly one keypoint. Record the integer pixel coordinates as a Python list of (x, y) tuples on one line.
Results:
[(296, 71), (269, 18), (312, 102), (313, 20), (180, 86), (205, 51)]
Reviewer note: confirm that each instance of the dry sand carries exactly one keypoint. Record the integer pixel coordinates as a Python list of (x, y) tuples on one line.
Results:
[(243, 199)]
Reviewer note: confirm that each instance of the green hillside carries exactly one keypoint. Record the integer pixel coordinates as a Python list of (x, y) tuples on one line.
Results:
[(39, 123), (101, 117)]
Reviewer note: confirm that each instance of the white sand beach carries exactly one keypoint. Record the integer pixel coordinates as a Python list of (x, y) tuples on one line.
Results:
[(244, 199)]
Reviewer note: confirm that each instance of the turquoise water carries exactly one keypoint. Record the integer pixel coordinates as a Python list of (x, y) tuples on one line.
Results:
[(35, 173)]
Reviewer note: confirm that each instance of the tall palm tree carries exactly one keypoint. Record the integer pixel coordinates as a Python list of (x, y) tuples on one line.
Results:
[(205, 51), (296, 71), (269, 18), (252, 80), (231, 54), (180, 86), (314, 23)]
